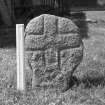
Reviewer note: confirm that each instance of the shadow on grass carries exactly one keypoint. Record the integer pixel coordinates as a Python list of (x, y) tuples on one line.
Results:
[(87, 82), (90, 82), (93, 78), (80, 20)]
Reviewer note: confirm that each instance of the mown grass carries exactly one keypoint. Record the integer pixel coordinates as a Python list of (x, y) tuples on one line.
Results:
[(90, 91)]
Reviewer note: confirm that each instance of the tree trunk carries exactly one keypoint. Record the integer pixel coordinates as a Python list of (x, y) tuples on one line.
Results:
[(36, 2), (17, 3), (6, 12), (101, 2)]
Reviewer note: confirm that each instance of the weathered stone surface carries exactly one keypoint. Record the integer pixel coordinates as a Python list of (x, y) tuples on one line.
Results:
[(55, 50)]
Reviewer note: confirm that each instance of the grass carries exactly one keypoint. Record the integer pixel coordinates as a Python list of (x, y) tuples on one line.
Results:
[(90, 74)]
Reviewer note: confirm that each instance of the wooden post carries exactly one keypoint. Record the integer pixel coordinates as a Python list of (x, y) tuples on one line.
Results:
[(20, 56)]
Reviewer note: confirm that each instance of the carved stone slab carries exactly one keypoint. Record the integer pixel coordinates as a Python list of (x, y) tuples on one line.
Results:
[(55, 50)]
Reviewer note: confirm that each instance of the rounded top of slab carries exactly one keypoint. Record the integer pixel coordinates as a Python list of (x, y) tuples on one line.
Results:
[(43, 22), (46, 31)]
